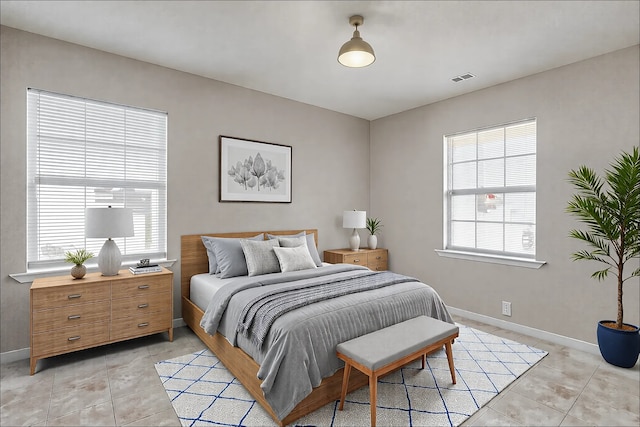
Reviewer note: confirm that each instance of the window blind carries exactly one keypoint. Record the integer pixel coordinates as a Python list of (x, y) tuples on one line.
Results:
[(491, 190), (84, 153)]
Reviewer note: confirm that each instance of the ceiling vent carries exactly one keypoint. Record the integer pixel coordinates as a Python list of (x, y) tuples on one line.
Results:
[(462, 77)]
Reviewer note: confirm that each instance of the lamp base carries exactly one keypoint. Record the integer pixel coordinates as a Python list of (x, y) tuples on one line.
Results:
[(109, 259), (354, 240)]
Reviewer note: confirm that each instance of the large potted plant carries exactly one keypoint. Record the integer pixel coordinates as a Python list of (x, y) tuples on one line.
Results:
[(610, 209)]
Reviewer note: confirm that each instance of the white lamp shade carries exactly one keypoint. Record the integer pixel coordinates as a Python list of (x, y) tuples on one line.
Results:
[(108, 222), (354, 219)]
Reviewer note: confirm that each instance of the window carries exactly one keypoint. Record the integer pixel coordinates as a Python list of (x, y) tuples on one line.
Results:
[(491, 191), (84, 153)]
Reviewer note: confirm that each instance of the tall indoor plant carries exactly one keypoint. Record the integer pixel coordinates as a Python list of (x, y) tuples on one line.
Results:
[(610, 208)]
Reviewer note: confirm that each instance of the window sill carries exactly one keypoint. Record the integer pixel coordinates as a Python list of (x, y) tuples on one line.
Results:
[(494, 259), (30, 276)]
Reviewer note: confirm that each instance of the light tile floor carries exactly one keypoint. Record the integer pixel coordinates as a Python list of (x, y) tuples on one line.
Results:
[(118, 385)]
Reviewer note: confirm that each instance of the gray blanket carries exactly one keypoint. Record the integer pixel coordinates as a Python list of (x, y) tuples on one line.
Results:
[(299, 349), (258, 316)]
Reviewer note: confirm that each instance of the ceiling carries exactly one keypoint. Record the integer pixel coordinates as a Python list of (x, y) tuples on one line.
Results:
[(290, 48)]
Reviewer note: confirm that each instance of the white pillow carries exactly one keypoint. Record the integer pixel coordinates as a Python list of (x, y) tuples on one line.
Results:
[(294, 259), (311, 244), (260, 256)]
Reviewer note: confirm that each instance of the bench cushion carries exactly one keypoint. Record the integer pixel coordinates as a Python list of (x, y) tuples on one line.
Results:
[(379, 348)]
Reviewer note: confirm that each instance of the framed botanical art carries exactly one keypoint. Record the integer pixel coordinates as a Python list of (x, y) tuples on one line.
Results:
[(254, 171)]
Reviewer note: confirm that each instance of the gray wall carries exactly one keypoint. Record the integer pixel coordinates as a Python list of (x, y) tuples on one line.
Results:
[(330, 153), (587, 112)]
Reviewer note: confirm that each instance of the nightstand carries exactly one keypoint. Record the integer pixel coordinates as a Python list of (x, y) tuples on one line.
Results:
[(375, 259), (69, 314)]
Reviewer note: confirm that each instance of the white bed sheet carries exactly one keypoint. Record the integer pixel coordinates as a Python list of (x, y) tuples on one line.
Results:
[(204, 286)]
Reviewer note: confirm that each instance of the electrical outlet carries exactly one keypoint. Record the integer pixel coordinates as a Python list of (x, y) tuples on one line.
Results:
[(506, 308)]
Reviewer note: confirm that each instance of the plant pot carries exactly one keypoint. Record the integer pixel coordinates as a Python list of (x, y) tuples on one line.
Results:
[(78, 271), (372, 241), (618, 347)]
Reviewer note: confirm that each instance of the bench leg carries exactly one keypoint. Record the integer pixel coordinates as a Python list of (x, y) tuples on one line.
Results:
[(450, 360), (345, 384), (373, 397)]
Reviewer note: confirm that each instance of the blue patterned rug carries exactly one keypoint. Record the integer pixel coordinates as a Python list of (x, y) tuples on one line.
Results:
[(203, 392)]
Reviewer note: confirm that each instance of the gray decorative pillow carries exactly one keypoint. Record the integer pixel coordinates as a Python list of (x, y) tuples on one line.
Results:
[(311, 245), (260, 256), (292, 242), (228, 255), (294, 259)]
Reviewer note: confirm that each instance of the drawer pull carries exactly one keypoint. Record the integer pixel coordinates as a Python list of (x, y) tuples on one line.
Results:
[(378, 257), (143, 305), (77, 337), (74, 296), (73, 316), (143, 287), (356, 260), (142, 325)]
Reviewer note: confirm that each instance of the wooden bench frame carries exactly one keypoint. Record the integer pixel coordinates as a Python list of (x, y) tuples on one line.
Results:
[(375, 374)]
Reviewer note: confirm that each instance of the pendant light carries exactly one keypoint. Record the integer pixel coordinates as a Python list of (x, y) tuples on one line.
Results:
[(356, 52)]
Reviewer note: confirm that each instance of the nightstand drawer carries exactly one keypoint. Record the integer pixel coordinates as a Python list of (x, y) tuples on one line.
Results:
[(377, 260), (141, 304), (140, 325), (141, 285), (356, 258), (71, 316), (69, 339), (62, 296)]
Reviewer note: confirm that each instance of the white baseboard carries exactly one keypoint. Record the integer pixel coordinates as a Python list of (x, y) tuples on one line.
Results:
[(13, 355), (23, 353), (527, 330)]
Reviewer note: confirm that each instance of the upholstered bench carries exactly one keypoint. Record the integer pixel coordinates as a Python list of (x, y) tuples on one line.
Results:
[(382, 351)]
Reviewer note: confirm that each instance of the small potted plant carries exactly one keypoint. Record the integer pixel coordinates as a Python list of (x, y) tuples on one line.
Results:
[(373, 226), (78, 257), (610, 209)]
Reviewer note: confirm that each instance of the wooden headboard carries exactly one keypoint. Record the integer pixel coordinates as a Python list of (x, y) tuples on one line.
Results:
[(193, 254)]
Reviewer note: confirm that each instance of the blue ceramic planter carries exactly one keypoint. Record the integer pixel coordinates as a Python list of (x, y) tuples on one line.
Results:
[(620, 348)]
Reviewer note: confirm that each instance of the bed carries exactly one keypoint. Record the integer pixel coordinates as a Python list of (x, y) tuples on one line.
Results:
[(326, 377)]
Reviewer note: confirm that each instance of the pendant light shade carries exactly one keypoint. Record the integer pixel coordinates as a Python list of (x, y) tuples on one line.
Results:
[(356, 52)]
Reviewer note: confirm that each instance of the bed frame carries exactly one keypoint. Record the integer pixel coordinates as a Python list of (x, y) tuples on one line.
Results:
[(193, 260)]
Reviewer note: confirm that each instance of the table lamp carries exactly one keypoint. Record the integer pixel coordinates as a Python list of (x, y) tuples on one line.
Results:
[(109, 223), (354, 219)]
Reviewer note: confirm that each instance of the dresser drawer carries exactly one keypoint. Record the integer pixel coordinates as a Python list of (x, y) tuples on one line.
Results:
[(141, 304), (140, 325), (356, 258), (69, 339), (62, 296), (141, 285), (73, 315)]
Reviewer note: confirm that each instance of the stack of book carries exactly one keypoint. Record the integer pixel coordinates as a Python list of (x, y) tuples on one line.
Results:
[(155, 268)]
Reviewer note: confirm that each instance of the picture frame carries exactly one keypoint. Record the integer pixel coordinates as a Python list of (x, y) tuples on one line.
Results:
[(254, 171)]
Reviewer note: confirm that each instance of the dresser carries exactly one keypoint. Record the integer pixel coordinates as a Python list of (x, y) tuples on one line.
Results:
[(69, 314), (375, 259)]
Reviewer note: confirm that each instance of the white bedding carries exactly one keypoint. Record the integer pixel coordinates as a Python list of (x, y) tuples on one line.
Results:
[(204, 286)]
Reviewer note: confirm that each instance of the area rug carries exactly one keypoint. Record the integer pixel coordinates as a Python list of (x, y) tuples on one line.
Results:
[(203, 392)]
